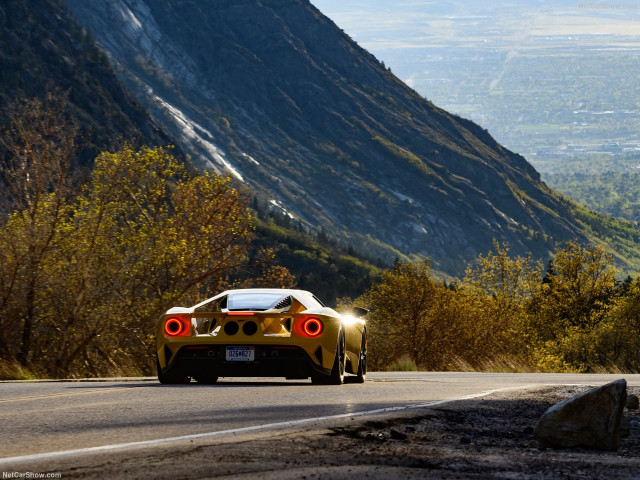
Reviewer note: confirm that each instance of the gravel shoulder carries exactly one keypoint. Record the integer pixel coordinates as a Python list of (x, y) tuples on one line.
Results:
[(490, 437)]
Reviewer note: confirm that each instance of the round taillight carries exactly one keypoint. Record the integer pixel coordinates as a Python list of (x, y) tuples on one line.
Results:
[(173, 326), (312, 327)]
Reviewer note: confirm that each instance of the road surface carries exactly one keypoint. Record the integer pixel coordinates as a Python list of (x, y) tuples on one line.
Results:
[(47, 421)]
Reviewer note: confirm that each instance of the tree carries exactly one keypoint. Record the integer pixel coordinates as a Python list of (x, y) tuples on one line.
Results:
[(507, 280), (145, 236), (273, 276), (503, 285), (571, 307), (37, 147), (89, 277), (400, 322), (580, 285), (619, 341)]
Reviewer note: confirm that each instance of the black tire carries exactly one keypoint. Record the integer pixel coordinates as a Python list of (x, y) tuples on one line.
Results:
[(362, 362), (169, 378), (206, 379), (337, 371)]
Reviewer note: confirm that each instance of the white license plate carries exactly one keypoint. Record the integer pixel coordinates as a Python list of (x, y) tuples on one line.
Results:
[(241, 354)]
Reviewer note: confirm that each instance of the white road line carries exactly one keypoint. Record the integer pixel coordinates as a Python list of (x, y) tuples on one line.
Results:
[(121, 447), (68, 394), (84, 380)]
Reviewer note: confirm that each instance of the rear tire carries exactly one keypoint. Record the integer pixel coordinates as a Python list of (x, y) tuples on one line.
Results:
[(336, 377), (337, 372), (170, 378), (362, 363)]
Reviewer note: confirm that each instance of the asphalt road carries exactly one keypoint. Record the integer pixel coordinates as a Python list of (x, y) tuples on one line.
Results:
[(43, 417)]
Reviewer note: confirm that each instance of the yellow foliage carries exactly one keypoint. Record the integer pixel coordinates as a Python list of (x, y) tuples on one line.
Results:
[(144, 235), (504, 316)]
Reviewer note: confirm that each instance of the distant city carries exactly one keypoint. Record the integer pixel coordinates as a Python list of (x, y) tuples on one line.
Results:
[(556, 81)]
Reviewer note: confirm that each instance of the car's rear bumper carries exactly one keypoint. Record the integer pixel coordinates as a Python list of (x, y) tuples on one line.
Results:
[(269, 361)]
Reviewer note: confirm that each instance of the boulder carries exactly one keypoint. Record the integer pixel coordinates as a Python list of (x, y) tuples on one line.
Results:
[(625, 427), (591, 419), (632, 402)]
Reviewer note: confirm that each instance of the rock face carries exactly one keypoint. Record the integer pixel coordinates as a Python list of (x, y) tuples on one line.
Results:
[(276, 95), (592, 419)]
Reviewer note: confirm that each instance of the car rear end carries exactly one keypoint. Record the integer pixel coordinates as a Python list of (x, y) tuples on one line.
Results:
[(246, 343)]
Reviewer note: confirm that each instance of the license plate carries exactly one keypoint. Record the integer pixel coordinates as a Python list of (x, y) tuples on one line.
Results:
[(241, 354)]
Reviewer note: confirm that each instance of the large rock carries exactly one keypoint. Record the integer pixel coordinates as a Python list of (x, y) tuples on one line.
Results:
[(625, 427), (591, 419)]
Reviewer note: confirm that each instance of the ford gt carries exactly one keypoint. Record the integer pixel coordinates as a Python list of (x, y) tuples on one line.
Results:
[(261, 332)]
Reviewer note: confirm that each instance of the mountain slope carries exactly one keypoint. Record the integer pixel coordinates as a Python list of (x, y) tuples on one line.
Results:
[(275, 94), (43, 48)]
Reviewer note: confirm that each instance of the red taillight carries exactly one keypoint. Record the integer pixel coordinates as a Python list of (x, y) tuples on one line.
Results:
[(312, 327), (240, 314), (176, 326)]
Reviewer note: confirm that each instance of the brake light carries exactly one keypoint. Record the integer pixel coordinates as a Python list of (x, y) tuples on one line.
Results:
[(312, 327), (240, 314), (176, 327)]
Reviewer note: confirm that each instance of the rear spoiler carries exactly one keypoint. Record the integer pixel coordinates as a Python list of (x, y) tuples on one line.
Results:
[(359, 311)]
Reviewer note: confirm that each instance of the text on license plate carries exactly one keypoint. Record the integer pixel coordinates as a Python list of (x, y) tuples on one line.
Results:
[(241, 354)]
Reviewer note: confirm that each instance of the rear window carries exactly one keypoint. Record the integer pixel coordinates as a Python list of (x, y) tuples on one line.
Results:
[(254, 301)]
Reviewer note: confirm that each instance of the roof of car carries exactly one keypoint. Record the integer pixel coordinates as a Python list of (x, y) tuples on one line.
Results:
[(284, 291), (266, 290)]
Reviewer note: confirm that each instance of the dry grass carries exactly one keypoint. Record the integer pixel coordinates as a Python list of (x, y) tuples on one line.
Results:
[(403, 364), (11, 370), (500, 364)]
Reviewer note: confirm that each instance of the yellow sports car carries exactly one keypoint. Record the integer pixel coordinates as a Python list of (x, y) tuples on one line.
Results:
[(261, 332)]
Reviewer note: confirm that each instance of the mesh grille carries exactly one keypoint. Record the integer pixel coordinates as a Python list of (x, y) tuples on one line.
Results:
[(284, 303)]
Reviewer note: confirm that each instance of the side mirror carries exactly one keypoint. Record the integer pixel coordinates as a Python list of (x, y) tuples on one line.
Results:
[(359, 312)]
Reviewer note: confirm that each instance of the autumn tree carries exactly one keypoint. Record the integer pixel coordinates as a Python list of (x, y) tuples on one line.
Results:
[(402, 320), (571, 306), (145, 235), (506, 316), (581, 284), (505, 279), (87, 277), (619, 337), (503, 285), (272, 276), (37, 146)]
